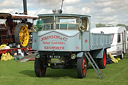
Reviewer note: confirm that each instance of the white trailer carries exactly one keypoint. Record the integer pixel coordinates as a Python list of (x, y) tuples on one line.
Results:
[(118, 39)]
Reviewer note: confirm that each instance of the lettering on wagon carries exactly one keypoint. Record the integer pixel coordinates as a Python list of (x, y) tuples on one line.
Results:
[(60, 43), (54, 47), (54, 37)]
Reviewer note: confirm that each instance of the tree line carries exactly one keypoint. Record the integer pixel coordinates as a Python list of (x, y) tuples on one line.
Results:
[(111, 25)]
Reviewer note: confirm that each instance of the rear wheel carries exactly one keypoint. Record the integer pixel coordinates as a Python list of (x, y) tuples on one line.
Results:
[(102, 61), (21, 35), (40, 70), (81, 67)]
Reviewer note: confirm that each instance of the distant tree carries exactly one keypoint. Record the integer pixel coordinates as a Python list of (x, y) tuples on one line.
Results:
[(127, 27), (111, 25), (100, 25), (122, 25)]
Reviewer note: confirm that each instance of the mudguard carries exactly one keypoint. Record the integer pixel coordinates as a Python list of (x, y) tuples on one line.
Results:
[(80, 54), (98, 53), (34, 41)]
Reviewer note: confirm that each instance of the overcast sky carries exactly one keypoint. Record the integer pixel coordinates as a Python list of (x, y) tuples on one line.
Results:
[(101, 11)]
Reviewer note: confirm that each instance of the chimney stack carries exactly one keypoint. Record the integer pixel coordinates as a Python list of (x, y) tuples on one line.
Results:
[(25, 6)]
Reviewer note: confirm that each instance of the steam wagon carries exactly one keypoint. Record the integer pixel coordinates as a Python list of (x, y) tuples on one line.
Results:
[(15, 29), (64, 40)]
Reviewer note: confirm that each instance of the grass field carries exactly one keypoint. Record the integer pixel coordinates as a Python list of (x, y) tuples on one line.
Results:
[(22, 73)]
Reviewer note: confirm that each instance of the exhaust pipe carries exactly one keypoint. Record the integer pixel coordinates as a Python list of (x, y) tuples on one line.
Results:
[(25, 6)]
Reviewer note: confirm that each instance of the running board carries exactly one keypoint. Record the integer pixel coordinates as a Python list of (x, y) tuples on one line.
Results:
[(94, 65)]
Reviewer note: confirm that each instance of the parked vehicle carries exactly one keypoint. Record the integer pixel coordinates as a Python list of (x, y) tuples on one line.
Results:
[(65, 40), (15, 29), (119, 44)]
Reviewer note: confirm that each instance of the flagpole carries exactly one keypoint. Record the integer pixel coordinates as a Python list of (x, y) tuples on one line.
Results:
[(62, 4)]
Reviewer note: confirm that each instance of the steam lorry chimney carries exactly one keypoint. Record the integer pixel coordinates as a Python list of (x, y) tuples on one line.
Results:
[(25, 6)]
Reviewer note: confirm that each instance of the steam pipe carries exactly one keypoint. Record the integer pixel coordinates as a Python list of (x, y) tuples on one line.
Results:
[(25, 6)]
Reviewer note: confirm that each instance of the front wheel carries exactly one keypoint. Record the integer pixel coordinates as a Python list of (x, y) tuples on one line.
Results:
[(81, 67), (40, 70)]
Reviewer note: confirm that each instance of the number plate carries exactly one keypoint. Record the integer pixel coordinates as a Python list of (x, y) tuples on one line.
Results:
[(54, 56)]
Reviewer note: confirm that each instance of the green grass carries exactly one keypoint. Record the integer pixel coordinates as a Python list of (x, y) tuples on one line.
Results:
[(22, 73)]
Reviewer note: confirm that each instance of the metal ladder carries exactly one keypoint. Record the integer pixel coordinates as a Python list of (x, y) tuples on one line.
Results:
[(94, 65)]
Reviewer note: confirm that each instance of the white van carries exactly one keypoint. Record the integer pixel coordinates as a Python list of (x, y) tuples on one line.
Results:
[(118, 39)]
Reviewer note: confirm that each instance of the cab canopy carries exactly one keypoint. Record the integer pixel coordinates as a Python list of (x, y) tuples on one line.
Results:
[(63, 21)]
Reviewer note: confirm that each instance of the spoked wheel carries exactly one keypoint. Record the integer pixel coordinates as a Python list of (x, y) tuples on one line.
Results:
[(102, 62), (81, 67), (21, 35), (40, 70)]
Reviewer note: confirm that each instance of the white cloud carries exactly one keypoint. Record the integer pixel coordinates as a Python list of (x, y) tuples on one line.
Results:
[(39, 11), (86, 10), (10, 10), (108, 10), (110, 18), (102, 11), (70, 9), (11, 4), (71, 1)]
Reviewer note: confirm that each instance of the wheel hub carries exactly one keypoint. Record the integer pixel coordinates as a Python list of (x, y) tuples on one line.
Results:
[(84, 66)]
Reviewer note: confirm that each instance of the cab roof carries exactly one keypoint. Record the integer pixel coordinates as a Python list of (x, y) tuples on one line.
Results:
[(63, 15), (16, 16)]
